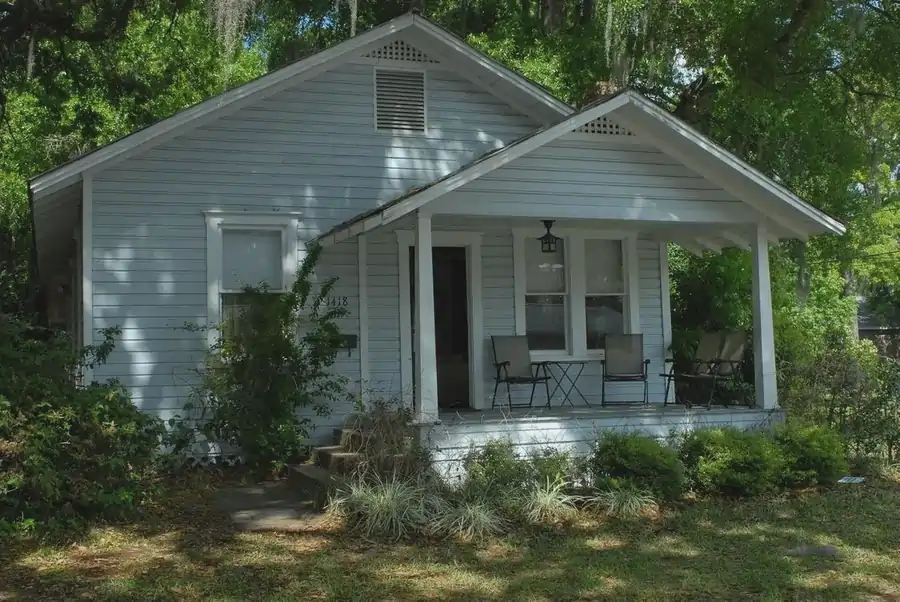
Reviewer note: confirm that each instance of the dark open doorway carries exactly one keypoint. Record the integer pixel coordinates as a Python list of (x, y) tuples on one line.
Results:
[(451, 325)]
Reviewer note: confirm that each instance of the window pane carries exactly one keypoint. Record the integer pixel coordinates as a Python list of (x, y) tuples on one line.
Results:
[(545, 272), (251, 257), (605, 315), (545, 320), (603, 266)]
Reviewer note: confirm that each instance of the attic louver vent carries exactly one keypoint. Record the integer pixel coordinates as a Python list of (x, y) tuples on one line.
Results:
[(605, 127), (399, 101), (398, 50)]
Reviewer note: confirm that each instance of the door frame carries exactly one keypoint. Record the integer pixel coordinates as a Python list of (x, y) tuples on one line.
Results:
[(471, 241)]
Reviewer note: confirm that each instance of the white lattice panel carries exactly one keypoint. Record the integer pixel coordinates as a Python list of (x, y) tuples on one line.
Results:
[(605, 127), (398, 50)]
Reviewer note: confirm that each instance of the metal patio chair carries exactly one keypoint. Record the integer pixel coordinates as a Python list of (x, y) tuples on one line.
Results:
[(624, 362), (726, 368), (512, 359), (708, 351)]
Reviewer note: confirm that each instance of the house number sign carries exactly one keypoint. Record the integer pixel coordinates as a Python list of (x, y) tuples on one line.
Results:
[(336, 301)]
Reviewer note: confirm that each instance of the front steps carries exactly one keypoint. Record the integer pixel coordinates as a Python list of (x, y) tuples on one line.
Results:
[(331, 463)]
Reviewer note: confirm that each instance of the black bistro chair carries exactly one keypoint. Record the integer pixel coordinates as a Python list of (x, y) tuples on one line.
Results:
[(512, 360), (624, 362)]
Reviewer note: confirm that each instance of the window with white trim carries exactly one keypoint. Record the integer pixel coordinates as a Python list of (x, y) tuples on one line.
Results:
[(546, 290), (247, 250), (568, 301)]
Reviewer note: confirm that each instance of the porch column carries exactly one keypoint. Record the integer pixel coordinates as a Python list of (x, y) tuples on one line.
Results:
[(763, 331), (426, 352)]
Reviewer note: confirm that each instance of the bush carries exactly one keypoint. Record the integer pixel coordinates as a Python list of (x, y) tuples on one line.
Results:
[(813, 455), (623, 502), (731, 462), (389, 507), (495, 466), (639, 460), (67, 453), (273, 360)]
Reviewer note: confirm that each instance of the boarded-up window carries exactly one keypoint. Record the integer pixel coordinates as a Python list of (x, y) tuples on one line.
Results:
[(250, 258), (399, 101)]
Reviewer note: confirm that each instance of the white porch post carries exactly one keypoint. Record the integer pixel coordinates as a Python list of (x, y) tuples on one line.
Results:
[(763, 330), (426, 352)]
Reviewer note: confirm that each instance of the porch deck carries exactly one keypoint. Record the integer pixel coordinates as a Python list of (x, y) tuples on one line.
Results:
[(576, 428)]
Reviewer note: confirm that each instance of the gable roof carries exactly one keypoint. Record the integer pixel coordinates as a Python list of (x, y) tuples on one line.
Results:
[(649, 121), (437, 41)]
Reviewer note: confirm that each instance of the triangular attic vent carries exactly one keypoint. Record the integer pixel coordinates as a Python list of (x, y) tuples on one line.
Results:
[(398, 50), (605, 127)]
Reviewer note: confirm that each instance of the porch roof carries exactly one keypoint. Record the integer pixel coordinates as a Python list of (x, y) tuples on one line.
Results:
[(658, 127)]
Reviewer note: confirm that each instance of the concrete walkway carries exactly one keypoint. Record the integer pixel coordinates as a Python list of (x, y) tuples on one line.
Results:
[(268, 506)]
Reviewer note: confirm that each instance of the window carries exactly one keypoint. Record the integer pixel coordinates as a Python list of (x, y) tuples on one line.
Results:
[(400, 101), (545, 296), (604, 299), (568, 301), (246, 249), (249, 258)]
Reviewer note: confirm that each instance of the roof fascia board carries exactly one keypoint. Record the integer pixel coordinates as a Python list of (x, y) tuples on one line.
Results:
[(643, 107), (495, 67), (215, 107), (495, 161)]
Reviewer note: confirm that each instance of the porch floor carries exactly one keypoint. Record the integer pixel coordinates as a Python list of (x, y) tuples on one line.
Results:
[(582, 413)]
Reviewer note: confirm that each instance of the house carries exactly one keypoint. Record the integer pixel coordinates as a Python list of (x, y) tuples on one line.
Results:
[(413, 159)]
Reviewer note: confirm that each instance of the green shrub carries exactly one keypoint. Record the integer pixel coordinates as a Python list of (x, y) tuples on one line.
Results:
[(637, 459), (813, 455), (496, 467), (731, 462), (623, 502), (546, 503), (469, 515), (268, 363), (67, 453), (388, 507)]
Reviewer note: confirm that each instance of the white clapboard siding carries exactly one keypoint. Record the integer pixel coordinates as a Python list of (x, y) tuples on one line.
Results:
[(312, 149), (605, 178)]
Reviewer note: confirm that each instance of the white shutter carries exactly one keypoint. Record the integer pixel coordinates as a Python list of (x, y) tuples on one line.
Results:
[(399, 100)]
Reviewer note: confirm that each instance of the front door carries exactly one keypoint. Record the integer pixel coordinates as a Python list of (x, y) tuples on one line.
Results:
[(451, 325)]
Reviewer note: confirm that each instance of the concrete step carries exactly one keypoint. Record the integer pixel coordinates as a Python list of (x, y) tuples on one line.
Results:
[(351, 439), (313, 481), (336, 458)]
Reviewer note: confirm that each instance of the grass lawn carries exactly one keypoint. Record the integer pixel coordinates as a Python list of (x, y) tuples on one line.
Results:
[(184, 550)]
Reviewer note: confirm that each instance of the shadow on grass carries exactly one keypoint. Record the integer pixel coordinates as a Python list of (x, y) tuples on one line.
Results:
[(186, 550)]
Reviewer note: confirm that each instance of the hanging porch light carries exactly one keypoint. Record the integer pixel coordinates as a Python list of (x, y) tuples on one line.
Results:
[(548, 240)]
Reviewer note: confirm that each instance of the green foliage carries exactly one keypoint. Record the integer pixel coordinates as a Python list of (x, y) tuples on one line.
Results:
[(391, 507), (731, 462), (845, 385), (624, 501), (470, 519), (495, 466), (546, 502), (813, 455), (639, 460), (272, 361), (67, 453)]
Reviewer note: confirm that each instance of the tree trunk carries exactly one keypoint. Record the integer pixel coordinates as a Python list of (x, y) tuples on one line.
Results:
[(554, 14)]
